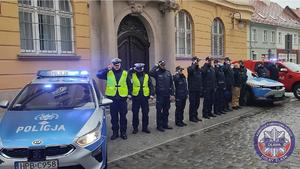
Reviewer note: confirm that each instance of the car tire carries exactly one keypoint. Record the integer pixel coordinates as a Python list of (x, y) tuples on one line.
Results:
[(296, 91), (249, 100)]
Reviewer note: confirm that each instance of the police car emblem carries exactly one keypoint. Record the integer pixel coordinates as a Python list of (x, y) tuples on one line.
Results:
[(274, 142), (46, 117), (37, 142)]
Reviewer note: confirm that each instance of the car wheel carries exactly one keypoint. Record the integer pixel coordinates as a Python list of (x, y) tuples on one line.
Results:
[(296, 91), (249, 98)]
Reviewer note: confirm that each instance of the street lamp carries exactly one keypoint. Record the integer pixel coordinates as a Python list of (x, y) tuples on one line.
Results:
[(241, 23)]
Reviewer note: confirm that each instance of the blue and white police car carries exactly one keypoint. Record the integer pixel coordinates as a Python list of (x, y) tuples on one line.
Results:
[(55, 122), (263, 89)]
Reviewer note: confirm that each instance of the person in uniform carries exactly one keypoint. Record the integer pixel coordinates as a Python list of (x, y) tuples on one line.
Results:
[(219, 103), (164, 90), (181, 93), (117, 86), (209, 87), (262, 71), (229, 82), (142, 90), (236, 86), (244, 77), (195, 89)]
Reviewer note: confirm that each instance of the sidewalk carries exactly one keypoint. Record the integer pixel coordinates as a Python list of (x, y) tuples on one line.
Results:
[(119, 148)]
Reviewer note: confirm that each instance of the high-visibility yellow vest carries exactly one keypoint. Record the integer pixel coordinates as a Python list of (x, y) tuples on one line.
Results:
[(112, 86), (136, 85)]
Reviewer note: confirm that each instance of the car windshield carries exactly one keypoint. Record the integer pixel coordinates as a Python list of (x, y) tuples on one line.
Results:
[(250, 74), (54, 97), (292, 66)]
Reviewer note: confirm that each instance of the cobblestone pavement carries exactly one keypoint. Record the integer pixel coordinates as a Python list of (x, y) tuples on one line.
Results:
[(228, 145)]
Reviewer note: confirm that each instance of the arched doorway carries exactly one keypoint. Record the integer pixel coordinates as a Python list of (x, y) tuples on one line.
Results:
[(133, 42)]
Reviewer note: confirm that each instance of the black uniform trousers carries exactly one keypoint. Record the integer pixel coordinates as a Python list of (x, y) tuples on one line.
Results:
[(228, 96), (194, 98), (162, 110), (118, 111), (208, 101), (180, 105), (219, 103), (242, 95), (137, 103)]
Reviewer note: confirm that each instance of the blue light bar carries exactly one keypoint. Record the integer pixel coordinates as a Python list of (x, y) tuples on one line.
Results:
[(62, 73)]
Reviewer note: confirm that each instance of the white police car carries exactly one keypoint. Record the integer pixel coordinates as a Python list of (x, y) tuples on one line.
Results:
[(56, 122), (263, 89)]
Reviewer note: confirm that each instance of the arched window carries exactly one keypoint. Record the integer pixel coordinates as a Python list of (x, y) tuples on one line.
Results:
[(46, 26), (183, 34), (217, 46)]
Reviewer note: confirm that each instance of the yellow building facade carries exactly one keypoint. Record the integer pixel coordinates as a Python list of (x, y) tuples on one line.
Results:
[(17, 69), (136, 31), (229, 12)]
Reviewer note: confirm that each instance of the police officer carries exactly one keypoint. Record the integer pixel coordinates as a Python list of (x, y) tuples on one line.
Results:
[(209, 87), (262, 71), (221, 87), (117, 87), (244, 78), (181, 94), (236, 86), (164, 89), (142, 90), (195, 89), (274, 72), (228, 72)]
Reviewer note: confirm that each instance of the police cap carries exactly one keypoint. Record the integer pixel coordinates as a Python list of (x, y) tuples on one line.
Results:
[(116, 61)]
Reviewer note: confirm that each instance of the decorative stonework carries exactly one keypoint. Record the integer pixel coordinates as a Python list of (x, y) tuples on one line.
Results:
[(136, 7), (168, 5)]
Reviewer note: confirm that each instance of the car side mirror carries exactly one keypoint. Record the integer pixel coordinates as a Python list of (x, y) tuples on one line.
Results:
[(105, 102), (4, 104), (283, 70)]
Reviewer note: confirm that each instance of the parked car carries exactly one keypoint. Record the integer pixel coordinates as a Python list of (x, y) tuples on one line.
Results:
[(56, 121), (289, 74), (263, 89)]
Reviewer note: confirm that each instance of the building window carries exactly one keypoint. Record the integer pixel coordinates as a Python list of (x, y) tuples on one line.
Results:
[(265, 35), (273, 37), (254, 35), (279, 38), (46, 26), (295, 39), (183, 34), (217, 38)]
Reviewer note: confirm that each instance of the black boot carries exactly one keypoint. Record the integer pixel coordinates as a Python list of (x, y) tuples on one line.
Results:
[(114, 136), (124, 136), (135, 130)]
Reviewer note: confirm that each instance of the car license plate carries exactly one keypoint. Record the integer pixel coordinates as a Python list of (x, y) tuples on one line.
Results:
[(278, 95), (52, 164)]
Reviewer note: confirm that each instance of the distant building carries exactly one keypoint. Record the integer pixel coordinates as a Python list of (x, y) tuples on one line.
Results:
[(269, 25)]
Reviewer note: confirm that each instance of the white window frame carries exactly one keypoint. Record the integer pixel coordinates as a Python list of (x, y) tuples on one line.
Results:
[(218, 34), (295, 38), (254, 35), (35, 10), (186, 33), (279, 37), (273, 38), (265, 36)]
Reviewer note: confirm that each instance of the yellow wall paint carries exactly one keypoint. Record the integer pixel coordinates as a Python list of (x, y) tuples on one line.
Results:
[(203, 13), (15, 73)]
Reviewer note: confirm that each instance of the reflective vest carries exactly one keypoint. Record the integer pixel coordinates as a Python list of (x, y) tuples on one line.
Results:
[(136, 85), (112, 87)]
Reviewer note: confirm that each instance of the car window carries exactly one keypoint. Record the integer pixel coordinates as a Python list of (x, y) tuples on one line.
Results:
[(99, 96), (54, 97), (292, 66)]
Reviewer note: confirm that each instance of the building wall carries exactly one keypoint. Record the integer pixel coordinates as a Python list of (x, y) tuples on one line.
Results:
[(15, 73), (260, 47), (203, 13)]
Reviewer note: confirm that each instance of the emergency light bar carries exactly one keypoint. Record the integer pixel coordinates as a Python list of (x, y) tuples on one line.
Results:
[(63, 73)]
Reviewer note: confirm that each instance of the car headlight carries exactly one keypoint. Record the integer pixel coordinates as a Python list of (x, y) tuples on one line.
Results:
[(89, 138), (255, 85)]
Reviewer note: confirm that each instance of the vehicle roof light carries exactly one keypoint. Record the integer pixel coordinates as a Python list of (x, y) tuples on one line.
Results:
[(62, 73)]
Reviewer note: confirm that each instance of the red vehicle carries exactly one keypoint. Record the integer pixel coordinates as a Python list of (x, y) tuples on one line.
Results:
[(289, 74)]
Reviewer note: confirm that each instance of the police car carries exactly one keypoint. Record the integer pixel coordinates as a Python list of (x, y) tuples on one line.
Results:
[(263, 89), (55, 122)]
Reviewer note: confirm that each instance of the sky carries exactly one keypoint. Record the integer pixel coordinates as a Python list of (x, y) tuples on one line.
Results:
[(290, 3)]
